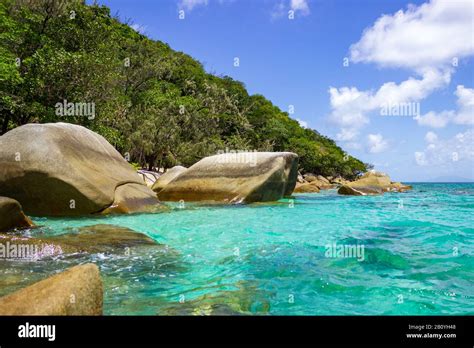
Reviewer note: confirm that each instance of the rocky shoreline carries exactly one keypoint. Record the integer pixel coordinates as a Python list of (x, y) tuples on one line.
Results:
[(62, 169)]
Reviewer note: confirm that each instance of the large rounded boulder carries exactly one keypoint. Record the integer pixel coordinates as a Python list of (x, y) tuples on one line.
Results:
[(167, 177), (64, 169), (235, 178), (76, 291)]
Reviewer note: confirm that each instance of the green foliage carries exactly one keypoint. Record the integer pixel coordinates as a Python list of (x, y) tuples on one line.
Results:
[(157, 105), (136, 166)]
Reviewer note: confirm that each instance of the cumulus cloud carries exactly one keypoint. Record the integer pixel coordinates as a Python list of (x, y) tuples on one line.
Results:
[(300, 6), (431, 34), (376, 143), (464, 115), (351, 107), (435, 120), (441, 152), (424, 39)]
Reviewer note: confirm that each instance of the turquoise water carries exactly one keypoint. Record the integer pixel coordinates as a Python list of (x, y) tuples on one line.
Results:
[(270, 258)]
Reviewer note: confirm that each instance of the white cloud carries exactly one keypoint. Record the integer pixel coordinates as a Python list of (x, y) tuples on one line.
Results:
[(420, 158), (465, 103), (347, 134), (431, 137), (431, 34), (376, 143), (443, 152), (191, 4), (464, 115), (300, 6), (435, 120), (350, 107), (424, 39)]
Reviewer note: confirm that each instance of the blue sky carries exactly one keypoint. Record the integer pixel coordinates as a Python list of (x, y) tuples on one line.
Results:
[(419, 54)]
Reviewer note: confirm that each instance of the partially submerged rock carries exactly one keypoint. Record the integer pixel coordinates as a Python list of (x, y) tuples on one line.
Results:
[(102, 238), (372, 183), (132, 198), (268, 176), (167, 177), (306, 188), (76, 291), (399, 187), (12, 216), (64, 169)]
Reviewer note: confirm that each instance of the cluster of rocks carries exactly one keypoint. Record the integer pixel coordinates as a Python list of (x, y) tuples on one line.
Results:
[(314, 183), (372, 183), (63, 169), (78, 290)]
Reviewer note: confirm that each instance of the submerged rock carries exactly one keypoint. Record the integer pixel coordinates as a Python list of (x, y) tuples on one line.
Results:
[(14, 247), (64, 169), (251, 177), (102, 239), (167, 177), (246, 300), (107, 239), (12, 216), (76, 291), (372, 183)]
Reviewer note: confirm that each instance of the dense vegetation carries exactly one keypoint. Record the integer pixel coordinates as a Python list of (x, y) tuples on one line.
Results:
[(152, 103)]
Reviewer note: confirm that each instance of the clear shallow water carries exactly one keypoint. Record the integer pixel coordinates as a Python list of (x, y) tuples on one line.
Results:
[(270, 258)]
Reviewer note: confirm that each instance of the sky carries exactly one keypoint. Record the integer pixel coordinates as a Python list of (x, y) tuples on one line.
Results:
[(391, 81)]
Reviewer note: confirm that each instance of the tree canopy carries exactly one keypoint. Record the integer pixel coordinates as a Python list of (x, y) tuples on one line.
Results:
[(156, 105)]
